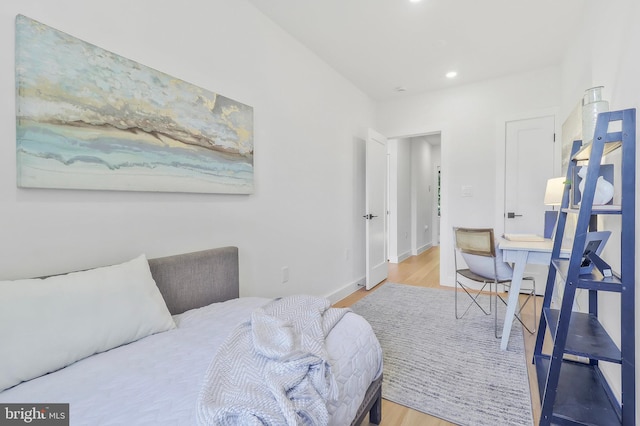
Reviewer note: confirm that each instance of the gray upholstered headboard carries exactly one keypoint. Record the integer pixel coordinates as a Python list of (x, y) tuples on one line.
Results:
[(192, 280)]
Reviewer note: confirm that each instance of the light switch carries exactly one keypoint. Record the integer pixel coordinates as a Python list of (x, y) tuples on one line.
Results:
[(467, 191)]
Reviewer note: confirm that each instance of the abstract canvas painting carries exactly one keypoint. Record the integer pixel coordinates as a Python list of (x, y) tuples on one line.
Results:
[(87, 118)]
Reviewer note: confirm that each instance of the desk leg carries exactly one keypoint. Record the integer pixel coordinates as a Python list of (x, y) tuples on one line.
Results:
[(514, 292)]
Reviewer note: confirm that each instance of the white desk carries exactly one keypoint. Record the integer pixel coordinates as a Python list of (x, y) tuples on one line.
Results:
[(520, 253)]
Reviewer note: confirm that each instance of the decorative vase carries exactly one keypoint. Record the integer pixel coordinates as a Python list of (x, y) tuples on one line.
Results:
[(604, 189), (592, 105)]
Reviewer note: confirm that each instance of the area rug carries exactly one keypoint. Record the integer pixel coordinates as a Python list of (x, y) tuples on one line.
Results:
[(447, 368)]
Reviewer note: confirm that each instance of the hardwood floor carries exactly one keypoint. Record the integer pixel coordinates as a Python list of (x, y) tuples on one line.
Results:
[(424, 271)]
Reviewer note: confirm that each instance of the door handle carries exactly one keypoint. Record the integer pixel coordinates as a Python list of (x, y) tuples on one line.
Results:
[(511, 215), (369, 216)]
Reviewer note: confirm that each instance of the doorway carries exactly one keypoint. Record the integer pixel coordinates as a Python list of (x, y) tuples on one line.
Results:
[(413, 195)]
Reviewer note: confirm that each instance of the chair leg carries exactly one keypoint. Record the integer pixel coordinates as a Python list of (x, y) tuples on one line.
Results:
[(518, 314), (474, 299), (535, 309), (532, 294), (495, 330)]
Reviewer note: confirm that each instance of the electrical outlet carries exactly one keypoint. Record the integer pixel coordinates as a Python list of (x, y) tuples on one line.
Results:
[(285, 274)]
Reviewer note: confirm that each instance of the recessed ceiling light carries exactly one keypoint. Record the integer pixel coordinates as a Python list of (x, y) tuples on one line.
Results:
[(451, 74), (415, 1)]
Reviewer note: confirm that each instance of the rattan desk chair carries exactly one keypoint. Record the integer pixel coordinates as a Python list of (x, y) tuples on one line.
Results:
[(477, 247)]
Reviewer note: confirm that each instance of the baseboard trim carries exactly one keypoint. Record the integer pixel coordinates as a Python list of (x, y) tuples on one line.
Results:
[(402, 257), (343, 292), (422, 249)]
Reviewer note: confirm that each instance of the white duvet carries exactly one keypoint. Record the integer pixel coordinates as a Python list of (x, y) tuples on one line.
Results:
[(156, 380)]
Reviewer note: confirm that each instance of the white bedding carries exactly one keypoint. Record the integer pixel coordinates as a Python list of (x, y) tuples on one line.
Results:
[(156, 380)]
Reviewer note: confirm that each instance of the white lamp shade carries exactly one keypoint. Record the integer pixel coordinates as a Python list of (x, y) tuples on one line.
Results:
[(554, 191)]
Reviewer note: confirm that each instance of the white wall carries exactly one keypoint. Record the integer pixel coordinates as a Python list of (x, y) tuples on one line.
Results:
[(471, 119), (421, 194), (392, 152), (435, 165), (404, 199), (611, 60), (309, 155)]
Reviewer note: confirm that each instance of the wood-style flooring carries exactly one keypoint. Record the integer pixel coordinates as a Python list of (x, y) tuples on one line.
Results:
[(424, 271)]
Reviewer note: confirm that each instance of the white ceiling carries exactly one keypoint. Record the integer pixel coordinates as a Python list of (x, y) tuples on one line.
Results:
[(380, 45)]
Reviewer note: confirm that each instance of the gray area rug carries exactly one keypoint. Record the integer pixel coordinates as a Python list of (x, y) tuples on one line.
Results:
[(448, 368)]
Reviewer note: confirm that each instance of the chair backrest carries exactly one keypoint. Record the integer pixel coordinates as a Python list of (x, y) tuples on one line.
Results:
[(483, 258), (477, 241)]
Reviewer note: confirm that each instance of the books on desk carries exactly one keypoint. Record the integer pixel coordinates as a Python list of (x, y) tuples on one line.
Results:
[(523, 237)]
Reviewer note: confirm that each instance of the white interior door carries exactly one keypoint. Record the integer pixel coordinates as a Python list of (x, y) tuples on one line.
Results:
[(376, 208), (529, 163)]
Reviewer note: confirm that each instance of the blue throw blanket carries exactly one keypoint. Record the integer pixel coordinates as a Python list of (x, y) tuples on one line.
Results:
[(273, 369)]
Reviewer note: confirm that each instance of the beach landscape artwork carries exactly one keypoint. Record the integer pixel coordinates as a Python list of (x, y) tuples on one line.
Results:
[(87, 118)]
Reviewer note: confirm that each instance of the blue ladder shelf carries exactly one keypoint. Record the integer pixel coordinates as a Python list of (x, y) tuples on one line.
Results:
[(573, 389)]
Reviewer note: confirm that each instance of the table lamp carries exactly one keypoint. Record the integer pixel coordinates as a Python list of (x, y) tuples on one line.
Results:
[(552, 197), (555, 190)]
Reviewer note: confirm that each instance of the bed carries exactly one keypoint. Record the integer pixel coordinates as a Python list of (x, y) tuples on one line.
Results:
[(158, 378)]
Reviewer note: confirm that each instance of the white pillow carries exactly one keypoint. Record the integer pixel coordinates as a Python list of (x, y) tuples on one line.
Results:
[(47, 324), (483, 266)]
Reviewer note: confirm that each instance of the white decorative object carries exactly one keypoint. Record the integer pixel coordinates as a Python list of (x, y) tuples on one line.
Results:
[(592, 105), (604, 189)]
